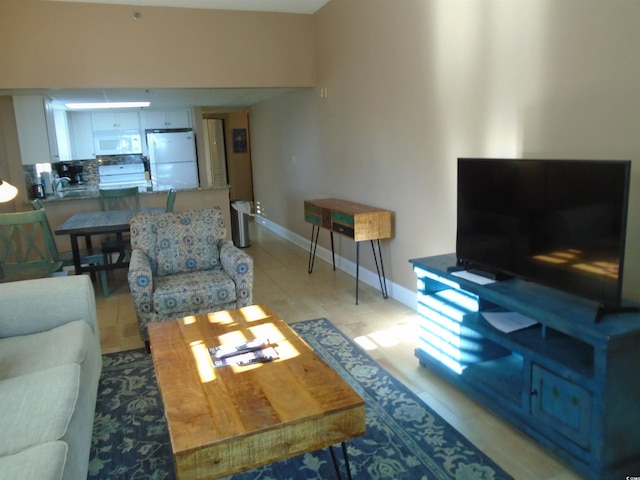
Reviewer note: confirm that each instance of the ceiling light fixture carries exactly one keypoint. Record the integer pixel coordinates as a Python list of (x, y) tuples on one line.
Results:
[(93, 106), (7, 191)]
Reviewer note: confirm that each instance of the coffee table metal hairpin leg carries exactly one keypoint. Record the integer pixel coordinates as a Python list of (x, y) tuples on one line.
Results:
[(346, 461)]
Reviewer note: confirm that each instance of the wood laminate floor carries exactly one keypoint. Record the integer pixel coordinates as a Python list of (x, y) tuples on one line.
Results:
[(385, 328)]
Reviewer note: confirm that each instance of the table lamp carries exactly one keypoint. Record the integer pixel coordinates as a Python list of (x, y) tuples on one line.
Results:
[(7, 191)]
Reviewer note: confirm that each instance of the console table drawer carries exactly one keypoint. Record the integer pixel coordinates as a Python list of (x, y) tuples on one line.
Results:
[(342, 218), (343, 229), (311, 218), (312, 209), (317, 215)]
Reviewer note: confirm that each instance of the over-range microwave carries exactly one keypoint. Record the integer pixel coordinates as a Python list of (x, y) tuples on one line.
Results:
[(117, 143)]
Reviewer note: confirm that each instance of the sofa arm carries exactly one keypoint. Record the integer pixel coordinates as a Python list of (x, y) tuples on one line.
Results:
[(37, 305), (140, 277), (239, 266)]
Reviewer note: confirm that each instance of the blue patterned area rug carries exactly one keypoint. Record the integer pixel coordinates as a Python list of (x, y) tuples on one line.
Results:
[(404, 438)]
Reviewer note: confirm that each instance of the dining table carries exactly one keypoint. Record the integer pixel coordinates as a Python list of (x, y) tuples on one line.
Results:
[(107, 222)]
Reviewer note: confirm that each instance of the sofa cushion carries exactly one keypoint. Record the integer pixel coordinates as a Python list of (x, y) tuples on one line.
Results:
[(67, 343), (201, 291), (37, 407), (187, 241), (42, 462)]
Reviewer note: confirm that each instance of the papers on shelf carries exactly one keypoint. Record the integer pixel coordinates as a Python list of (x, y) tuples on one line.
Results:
[(473, 277), (255, 351), (508, 321)]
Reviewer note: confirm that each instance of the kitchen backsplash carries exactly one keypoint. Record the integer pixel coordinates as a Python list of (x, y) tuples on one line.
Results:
[(90, 175), (89, 172)]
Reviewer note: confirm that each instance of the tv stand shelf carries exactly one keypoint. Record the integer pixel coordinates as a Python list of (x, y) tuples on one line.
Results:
[(568, 381)]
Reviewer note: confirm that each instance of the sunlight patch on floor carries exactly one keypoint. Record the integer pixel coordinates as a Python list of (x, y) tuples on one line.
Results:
[(389, 337)]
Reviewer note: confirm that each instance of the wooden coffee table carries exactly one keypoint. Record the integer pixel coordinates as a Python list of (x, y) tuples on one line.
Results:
[(230, 419)]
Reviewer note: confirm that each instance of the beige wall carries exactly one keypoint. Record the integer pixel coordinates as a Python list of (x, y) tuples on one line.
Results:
[(414, 84), (60, 44)]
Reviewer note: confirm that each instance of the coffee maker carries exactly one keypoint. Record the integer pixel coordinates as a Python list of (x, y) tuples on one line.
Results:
[(62, 169), (70, 171), (75, 174)]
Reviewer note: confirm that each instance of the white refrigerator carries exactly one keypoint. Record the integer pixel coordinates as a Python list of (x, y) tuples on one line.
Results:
[(172, 159)]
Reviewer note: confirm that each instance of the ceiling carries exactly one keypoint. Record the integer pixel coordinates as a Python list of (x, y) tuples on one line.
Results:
[(286, 6), (177, 98)]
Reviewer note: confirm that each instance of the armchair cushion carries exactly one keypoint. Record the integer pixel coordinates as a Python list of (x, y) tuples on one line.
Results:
[(186, 292), (187, 242)]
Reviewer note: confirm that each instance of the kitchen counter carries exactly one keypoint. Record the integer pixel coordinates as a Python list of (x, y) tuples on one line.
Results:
[(74, 191), (60, 209), (87, 192)]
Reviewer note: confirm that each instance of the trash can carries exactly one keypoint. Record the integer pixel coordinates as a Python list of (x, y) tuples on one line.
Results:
[(240, 212)]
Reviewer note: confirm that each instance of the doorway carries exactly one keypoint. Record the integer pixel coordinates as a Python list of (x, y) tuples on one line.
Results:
[(229, 153)]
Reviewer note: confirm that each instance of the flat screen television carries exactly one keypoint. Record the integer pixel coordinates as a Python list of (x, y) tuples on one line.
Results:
[(559, 223)]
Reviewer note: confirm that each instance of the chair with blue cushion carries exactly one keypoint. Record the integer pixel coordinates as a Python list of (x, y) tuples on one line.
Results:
[(171, 200), (120, 198), (182, 265)]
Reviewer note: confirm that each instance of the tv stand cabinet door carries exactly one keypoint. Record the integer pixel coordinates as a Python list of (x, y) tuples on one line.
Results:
[(562, 405)]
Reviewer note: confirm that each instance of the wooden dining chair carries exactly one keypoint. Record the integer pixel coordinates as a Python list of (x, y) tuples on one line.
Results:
[(88, 256), (118, 199), (171, 199), (27, 249)]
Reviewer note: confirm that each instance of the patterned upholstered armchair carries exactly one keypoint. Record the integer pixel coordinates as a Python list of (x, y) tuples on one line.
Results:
[(181, 265)]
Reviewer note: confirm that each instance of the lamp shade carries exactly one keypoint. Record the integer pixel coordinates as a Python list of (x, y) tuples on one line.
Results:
[(7, 191)]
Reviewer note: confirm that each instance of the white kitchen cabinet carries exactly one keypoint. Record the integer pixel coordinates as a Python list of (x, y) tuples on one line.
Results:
[(81, 134), (152, 119), (105, 121), (63, 142), (33, 136), (52, 136)]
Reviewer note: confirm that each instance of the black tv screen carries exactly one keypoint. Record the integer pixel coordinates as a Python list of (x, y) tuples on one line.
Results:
[(560, 223)]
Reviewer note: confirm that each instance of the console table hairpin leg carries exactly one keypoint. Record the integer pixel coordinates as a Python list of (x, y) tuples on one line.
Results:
[(315, 230), (380, 269), (312, 249)]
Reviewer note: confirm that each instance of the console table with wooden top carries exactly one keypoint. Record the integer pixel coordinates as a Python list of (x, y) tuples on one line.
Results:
[(353, 220)]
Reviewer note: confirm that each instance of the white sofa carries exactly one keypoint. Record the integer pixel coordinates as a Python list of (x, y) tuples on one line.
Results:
[(50, 364)]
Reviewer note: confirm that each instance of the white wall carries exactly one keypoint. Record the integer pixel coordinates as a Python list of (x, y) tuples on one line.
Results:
[(414, 84)]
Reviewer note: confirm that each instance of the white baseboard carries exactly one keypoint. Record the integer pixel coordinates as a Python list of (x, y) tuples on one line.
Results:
[(395, 291)]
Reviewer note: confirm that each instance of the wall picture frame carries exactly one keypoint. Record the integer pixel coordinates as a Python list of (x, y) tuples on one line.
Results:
[(239, 140)]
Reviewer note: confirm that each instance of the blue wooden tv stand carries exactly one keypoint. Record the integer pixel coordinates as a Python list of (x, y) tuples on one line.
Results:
[(569, 382)]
